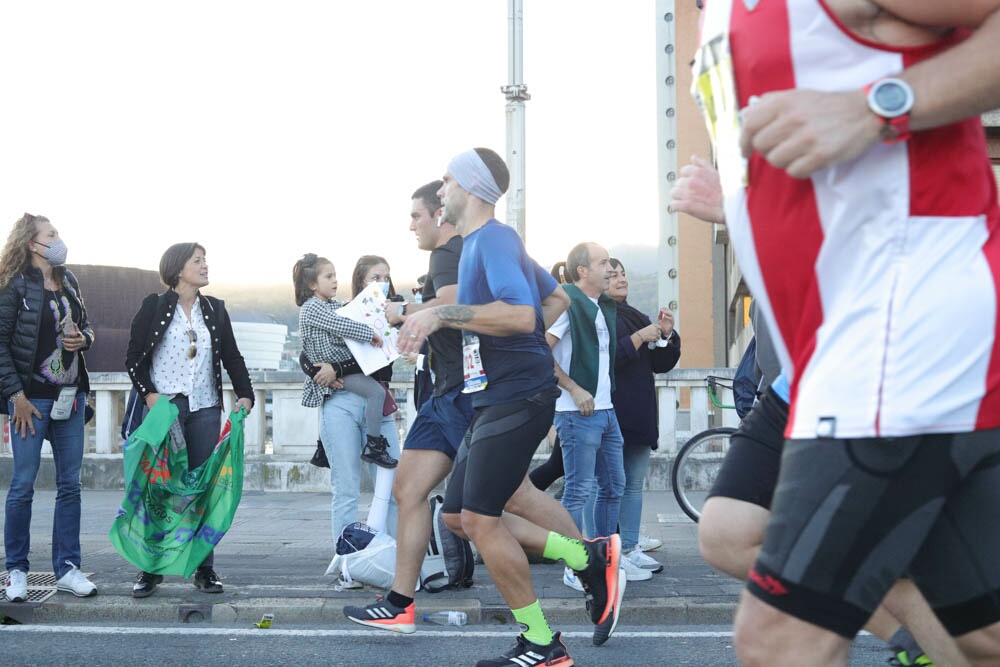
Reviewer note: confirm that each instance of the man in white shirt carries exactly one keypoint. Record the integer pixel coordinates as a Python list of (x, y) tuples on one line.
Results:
[(582, 342)]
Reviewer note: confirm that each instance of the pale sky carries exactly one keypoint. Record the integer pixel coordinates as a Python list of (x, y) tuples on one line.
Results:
[(267, 129)]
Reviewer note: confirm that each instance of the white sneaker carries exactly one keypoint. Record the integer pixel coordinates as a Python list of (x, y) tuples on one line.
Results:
[(647, 543), (17, 586), (633, 572), (343, 584), (76, 583), (639, 559), (571, 580)]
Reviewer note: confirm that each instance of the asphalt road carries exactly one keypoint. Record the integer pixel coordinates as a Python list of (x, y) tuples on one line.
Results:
[(696, 646)]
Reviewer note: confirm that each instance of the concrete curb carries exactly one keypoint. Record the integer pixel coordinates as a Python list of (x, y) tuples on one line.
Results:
[(319, 611)]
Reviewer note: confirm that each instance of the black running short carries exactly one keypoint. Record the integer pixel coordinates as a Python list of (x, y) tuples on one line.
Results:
[(750, 470), (850, 517), (496, 453)]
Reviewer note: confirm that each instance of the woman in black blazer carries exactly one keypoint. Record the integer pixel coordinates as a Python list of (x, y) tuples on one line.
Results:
[(178, 344)]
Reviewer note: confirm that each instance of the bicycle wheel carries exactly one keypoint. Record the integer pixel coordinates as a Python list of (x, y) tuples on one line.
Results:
[(696, 466)]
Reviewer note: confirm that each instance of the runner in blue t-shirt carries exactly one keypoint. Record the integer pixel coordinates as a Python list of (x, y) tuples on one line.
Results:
[(495, 267), (505, 302)]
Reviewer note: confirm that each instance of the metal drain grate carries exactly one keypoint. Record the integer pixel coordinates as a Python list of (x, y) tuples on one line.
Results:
[(41, 585)]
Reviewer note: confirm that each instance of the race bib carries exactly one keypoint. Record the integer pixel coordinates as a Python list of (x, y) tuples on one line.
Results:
[(472, 363), (714, 89)]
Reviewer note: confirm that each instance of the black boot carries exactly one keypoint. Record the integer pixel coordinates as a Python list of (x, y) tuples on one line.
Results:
[(377, 451), (207, 580)]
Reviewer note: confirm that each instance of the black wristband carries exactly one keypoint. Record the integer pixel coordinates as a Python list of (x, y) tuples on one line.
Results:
[(307, 366)]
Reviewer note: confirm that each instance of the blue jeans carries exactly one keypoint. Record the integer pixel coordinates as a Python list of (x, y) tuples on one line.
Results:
[(201, 434), (592, 454), (636, 458), (342, 430), (66, 437)]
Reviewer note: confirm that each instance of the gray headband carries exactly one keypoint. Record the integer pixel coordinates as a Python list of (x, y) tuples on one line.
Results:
[(472, 174)]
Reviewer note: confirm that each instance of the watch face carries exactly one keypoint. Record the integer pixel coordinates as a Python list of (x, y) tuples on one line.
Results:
[(891, 98)]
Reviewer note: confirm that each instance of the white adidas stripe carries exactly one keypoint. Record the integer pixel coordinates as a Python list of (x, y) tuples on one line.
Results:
[(528, 659)]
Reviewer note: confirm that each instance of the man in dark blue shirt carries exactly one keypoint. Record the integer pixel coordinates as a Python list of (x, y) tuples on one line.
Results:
[(505, 302)]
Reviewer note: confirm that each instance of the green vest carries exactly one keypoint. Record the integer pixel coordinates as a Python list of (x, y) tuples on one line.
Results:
[(586, 358)]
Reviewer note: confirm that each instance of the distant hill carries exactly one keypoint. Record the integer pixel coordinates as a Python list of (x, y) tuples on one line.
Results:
[(277, 303), (640, 266), (638, 259), (270, 302)]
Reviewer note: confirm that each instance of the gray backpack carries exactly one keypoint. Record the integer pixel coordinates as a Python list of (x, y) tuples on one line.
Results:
[(449, 561)]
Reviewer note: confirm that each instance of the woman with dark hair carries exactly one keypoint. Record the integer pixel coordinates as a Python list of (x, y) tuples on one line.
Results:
[(178, 344), (643, 348), (373, 269), (342, 427), (43, 381)]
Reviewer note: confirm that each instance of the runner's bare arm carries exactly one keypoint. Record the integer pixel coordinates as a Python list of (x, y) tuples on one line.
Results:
[(495, 319), (443, 296), (802, 131), (963, 81), (584, 399), (554, 305)]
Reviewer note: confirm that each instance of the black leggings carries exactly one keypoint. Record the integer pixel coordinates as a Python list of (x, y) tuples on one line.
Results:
[(546, 474)]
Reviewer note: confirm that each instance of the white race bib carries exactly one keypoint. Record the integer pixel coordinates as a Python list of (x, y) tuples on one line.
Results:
[(472, 365)]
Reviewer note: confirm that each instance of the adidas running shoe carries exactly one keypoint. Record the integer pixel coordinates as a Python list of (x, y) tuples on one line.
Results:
[(381, 614), (526, 654)]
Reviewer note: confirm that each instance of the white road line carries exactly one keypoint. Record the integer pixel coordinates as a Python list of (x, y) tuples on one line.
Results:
[(189, 630)]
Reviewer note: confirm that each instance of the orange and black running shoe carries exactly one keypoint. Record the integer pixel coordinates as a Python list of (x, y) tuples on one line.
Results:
[(381, 614), (603, 584), (526, 654)]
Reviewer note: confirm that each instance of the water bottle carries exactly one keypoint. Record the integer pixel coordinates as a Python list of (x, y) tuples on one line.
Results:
[(447, 618)]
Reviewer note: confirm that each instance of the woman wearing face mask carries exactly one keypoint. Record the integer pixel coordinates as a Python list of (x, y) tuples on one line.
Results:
[(178, 343), (43, 383), (343, 422)]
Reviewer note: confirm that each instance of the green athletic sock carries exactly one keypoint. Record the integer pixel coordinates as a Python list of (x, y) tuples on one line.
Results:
[(570, 551), (537, 630), (903, 642)]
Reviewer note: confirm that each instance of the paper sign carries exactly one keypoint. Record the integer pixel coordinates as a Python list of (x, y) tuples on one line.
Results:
[(367, 309)]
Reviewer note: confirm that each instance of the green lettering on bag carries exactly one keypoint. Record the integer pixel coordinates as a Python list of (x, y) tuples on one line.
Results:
[(171, 518)]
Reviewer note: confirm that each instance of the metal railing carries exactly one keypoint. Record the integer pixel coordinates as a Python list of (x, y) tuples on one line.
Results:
[(281, 427)]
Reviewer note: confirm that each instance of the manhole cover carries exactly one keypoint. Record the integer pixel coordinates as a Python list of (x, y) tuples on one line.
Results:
[(41, 585)]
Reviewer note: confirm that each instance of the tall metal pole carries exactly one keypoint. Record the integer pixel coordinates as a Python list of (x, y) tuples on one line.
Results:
[(517, 94), (666, 136)]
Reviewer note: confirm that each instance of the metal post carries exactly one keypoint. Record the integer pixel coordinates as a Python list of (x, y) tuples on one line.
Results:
[(666, 135), (517, 94)]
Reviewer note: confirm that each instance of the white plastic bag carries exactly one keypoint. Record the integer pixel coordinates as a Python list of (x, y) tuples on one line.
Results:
[(374, 565)]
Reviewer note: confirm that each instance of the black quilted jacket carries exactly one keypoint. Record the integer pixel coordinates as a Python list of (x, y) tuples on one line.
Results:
[(21, 304)]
